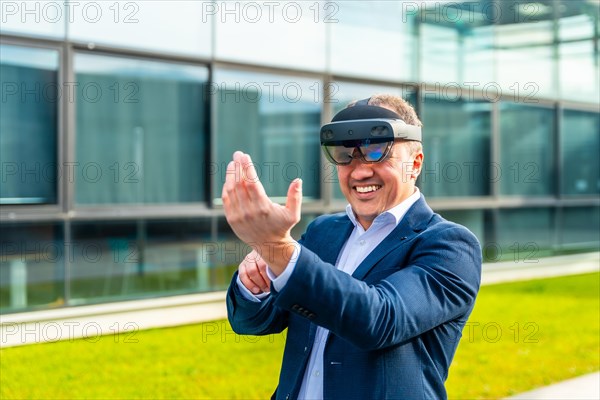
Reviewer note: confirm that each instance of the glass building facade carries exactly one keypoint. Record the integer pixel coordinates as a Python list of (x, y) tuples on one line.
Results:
[(118, 119)]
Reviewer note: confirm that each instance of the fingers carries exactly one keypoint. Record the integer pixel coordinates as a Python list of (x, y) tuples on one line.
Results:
[(294, 198), (256, 220), (242, 185), (249, 177), (253, 274), (228, 195)]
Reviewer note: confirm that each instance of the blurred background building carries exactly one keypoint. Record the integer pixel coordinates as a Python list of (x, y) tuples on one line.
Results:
[(118, 119)]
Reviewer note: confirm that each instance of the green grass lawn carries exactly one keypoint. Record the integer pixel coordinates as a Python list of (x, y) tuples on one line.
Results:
[(520, 336)]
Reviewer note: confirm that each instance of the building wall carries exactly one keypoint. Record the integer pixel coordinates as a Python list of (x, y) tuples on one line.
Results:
[(118, 120)]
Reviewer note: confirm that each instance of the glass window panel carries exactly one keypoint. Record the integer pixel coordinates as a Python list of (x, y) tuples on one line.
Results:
[(457, 43), (373, 39), (43, 18), (578, 57), (579, 230), (29, 125), (141, 131), (579, 72), (527, 151), (230, 252), (523, 235), (276, 120), (580, 147), (343, 93), (287, 34), (525, 60), (440, 53), (474, 220), (32, 266), (176, 27), (456, 144), (477, 59), (134, 259)]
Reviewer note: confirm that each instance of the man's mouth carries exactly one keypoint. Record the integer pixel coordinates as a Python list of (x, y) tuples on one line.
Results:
[(367, 189)]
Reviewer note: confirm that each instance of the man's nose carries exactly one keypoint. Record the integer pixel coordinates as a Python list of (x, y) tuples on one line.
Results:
[(361, 170)]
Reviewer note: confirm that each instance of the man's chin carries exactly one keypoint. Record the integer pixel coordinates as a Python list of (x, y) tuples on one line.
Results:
[(365, 217)]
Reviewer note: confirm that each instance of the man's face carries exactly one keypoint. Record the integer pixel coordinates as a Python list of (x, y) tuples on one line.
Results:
[(374, 188)]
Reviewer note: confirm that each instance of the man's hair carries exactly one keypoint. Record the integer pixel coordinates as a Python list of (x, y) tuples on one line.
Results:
[(401, 107)]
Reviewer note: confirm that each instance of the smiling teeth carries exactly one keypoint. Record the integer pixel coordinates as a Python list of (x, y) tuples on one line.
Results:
[(367, 189)]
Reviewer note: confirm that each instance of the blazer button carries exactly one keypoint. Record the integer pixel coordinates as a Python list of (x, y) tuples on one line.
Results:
[(287, 396)]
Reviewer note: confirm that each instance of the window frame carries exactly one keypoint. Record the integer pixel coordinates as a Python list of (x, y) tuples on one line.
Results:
[(15, 212)]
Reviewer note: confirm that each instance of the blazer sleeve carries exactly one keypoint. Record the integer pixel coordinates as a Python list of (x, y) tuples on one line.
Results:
[(249, 317), (439, 283)]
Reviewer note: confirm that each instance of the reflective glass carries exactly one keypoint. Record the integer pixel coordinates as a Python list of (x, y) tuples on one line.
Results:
[(526, 151), (440, 54), (32, 266), (43, 18), (525, 55), (523, 235), (476, 68), (579, 72), (140, 131), (579, 229), (284, 34), (475, 220), (456, 144), (276, 120), (457, 43), (373, 39), (29, 125), (176, 27), (580, 147), (579, 61), (133, 259)]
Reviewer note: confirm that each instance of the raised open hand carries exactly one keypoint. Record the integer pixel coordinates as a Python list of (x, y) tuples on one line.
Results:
[(255, 219)]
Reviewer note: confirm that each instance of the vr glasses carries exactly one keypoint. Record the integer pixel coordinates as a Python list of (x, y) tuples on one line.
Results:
[(368, 131)]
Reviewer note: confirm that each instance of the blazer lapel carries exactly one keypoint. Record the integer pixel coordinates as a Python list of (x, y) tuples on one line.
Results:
[(414, 221), (336, 235)]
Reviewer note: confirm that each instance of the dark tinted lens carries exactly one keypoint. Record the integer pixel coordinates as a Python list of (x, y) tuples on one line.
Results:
[(338, 154), (370, 150)]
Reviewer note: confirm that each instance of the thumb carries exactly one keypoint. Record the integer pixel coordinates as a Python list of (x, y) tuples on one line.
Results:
[(294, 198)]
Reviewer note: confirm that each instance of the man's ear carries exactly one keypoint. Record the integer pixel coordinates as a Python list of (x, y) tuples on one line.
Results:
[(417, 165)]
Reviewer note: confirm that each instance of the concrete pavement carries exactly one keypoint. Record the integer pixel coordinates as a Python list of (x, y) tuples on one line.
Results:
[(581, 388)]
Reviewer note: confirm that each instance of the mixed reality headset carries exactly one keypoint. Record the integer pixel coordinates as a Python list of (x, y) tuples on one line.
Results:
[(367, 130)]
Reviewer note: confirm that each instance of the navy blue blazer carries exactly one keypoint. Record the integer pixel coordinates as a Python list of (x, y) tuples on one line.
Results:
[(394, 324)]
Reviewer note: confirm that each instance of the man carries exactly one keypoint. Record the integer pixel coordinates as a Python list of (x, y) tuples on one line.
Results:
[(375, 298)]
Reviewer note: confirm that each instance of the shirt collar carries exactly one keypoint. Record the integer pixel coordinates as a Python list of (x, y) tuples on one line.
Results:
[(393, 215)]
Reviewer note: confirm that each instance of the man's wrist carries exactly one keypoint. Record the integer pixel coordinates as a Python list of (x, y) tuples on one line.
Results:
[(281, 280), (277, 255)]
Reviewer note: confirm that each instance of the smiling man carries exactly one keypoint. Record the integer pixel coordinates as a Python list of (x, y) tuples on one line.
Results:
[(374, 299)]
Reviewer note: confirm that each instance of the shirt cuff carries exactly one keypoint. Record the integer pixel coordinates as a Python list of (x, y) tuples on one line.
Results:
[(247, 294), (280, 281)]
